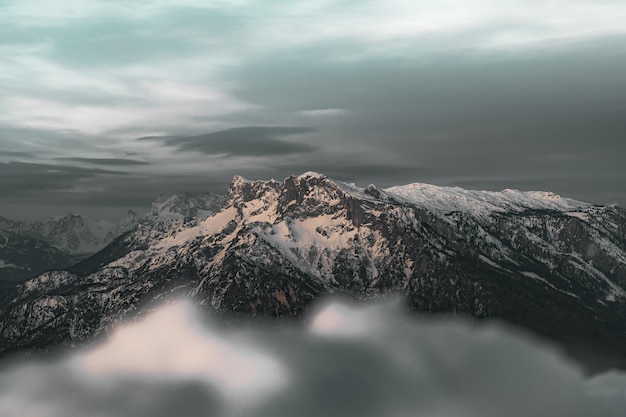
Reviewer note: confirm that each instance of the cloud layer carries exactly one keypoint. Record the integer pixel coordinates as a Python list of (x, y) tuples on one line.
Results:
[(367, 360), (471, 93)]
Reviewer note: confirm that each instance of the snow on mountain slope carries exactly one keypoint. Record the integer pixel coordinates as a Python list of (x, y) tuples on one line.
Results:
[(75, 234), (482, 203), (185, 205)]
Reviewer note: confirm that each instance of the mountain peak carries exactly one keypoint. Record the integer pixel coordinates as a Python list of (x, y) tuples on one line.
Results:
[(312, 186), (311, 174)]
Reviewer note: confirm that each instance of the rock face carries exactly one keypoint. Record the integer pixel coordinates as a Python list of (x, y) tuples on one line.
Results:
[(554, 265)]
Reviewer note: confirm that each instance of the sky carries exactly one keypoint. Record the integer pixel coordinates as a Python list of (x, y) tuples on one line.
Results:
[(106, 104)]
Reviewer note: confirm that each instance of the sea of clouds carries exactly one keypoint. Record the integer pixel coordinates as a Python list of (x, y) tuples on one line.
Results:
[(344, 360)]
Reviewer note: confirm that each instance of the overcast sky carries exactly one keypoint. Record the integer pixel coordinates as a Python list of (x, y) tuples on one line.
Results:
[(106, 104)]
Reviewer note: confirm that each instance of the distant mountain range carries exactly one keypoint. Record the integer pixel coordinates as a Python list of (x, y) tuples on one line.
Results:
[(553, 265), (29, 248)]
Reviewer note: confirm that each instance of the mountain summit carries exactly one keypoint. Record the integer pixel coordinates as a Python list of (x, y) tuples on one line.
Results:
[(553, 265)]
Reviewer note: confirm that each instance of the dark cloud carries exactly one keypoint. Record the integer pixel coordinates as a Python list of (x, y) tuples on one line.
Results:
[(45, 141), (104, 161), (243, 141), (442, 107), (16, 154), (19, 178), (536, 116), (108, 196)]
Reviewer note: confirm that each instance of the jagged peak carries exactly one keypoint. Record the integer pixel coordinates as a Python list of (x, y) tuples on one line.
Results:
[(238, 179), (311, 174), (431, 197)]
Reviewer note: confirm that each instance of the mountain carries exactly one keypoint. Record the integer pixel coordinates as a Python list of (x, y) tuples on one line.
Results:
[(73, 233), (22, 257), (31, 248), (185, 205), (553, 265)]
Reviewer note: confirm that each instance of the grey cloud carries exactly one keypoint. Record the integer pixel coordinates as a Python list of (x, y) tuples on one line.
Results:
[(365, 361), (107, 196), (44, 142), (18, 178), (16, 154), (104, 161), (71, 396), (243, 141), (439, 110), (543, 115)]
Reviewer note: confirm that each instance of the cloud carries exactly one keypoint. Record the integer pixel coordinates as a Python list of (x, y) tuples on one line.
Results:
[(498, 121), (399, 91), (184, 352), (16, 154), (242, 141), (349, 360), (17, 178), (104, 161), (154, 106), (323, 112)]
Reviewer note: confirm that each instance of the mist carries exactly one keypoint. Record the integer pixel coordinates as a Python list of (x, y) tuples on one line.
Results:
[(343, 360)]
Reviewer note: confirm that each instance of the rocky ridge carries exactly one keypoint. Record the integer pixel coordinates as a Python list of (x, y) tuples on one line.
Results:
[(553, 265)]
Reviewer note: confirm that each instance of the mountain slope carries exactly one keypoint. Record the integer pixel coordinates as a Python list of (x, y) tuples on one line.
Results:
[(28, 249), (554, 265), (22, 257)]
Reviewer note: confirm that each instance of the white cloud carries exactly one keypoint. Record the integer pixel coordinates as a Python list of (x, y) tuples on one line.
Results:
[(170, 344), (161, 104), (485, 22), (323, 112)]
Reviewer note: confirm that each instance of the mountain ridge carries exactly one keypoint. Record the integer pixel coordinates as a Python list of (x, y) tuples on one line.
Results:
[(61, 241), (553, 265)]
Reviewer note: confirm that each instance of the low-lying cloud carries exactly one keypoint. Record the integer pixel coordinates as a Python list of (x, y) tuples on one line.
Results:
[(345, 360)]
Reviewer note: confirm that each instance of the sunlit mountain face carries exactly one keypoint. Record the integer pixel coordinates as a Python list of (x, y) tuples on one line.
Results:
[(255, 158)]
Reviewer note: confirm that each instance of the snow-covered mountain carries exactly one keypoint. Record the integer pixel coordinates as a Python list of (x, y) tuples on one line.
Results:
[(73, 233), (554, 265), (79, 235), (30, 248), (22, 256), (185, 205)]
